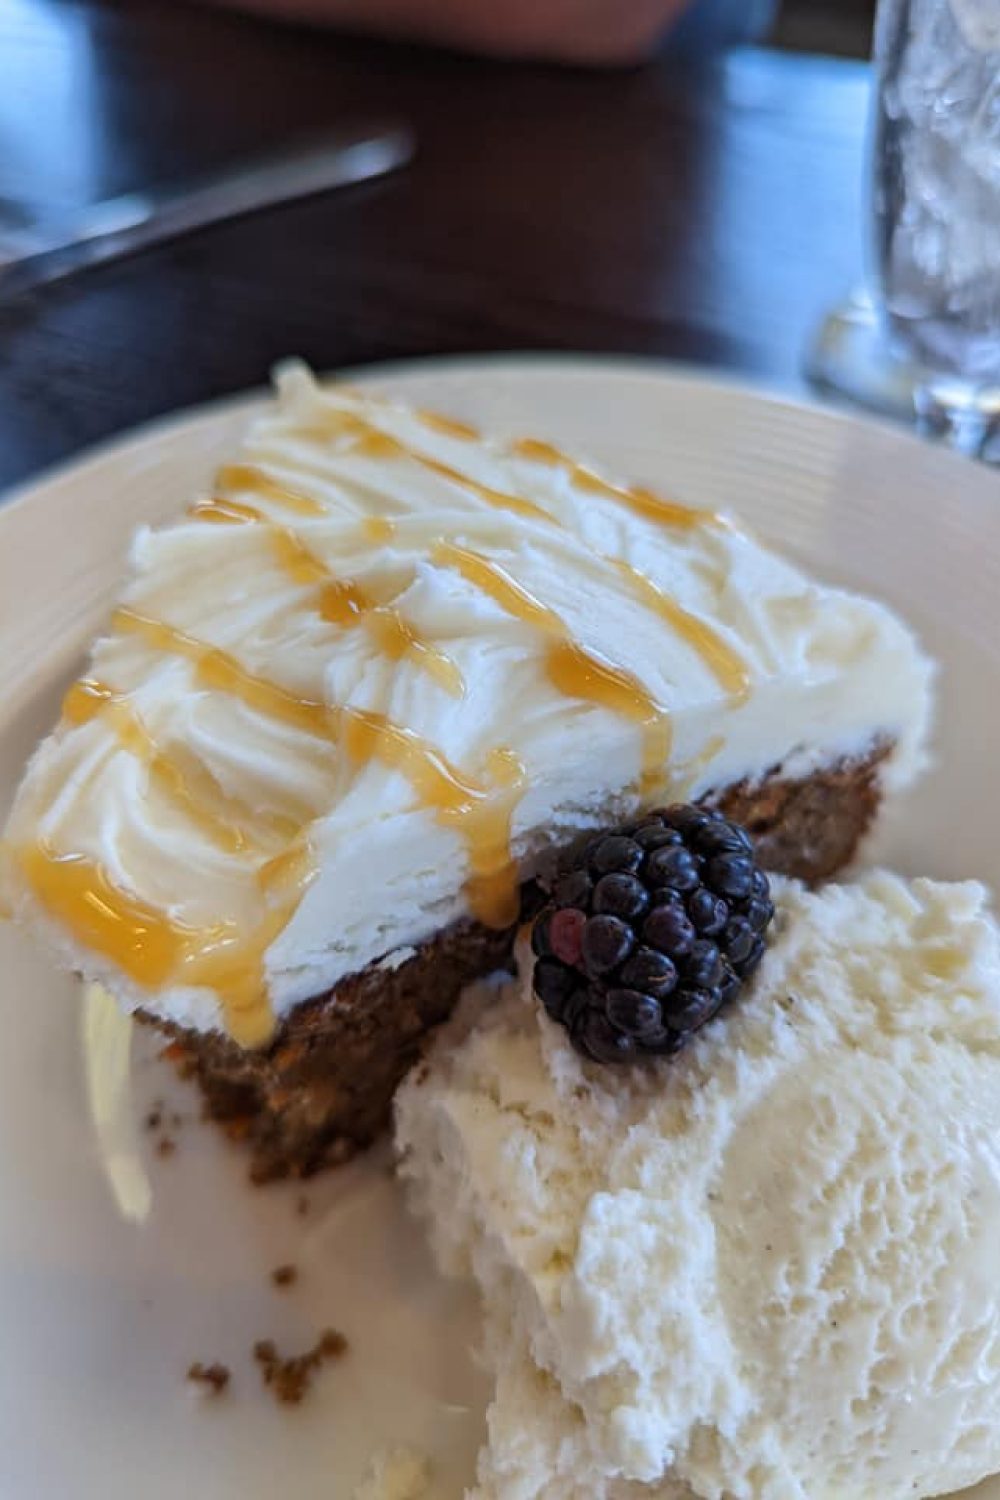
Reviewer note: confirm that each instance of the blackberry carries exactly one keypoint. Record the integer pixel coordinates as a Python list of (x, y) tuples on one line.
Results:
[(635, 1014), (708, 912), (652, 973), (616, 852), (620, 896), (607, 942), (651, 932), (674, 867), (670, 930)]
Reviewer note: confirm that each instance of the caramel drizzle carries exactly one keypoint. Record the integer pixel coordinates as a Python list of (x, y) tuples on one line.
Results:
[(253, 480), (499, 499), (370, 441), (195, 793), (142, 940), (686, 776), (397, 639), (362, 734), (288, 870), (634, 497), (218, 671), (373, 442), (492, 887), (722, 660), (450, 426), (574, 671), (457, 800), (481, 815), (150, 947), (378, 530), (726, 665), (640, 501), (341, 602)]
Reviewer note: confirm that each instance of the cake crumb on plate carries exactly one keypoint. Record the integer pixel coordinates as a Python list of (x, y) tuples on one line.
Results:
[(289, 1377), (213, 1379)]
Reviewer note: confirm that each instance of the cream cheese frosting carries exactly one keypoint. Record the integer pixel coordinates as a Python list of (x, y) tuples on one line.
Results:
[(365, 681), (763, 1269)]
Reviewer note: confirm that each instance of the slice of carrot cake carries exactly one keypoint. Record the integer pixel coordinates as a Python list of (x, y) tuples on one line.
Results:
[(357, 696)]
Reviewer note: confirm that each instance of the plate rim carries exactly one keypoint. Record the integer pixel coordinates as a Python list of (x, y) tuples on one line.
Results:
[(768, 394)]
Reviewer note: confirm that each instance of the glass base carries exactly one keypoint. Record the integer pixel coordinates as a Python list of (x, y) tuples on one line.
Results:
[(852, 357)]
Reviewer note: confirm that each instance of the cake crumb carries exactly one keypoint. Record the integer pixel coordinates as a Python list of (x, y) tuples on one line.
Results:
[(155, 1117), (213, 1378), (176, 1053), (302, 1205), (165, 1146), (289, 1378), (284, 1275), (396, 1474)]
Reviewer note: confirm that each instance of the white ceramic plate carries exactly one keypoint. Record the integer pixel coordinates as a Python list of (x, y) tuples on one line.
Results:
[(101, 1313)]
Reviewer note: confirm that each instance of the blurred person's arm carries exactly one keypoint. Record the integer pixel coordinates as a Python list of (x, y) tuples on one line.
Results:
[(575, 31)]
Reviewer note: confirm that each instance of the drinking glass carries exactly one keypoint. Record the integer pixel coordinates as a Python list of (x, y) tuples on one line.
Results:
[(924, 342)]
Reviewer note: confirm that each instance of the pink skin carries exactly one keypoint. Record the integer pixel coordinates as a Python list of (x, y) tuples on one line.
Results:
[(591, 32)]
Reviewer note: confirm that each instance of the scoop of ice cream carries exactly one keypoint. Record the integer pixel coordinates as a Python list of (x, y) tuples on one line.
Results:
[(764, 1268)]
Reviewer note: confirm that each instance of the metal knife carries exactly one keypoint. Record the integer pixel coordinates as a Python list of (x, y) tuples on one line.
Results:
[(120, 226)]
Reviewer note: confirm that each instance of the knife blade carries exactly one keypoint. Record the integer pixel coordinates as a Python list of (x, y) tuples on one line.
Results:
[(121, 226)]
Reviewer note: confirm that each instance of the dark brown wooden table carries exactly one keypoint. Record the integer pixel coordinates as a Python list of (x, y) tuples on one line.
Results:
[(695, 214)]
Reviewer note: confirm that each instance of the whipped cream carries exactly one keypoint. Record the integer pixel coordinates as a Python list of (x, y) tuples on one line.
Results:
[(764, 1269), (228, 781)]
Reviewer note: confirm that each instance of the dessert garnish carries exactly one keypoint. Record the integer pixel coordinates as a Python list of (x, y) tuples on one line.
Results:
[(650, 932)]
